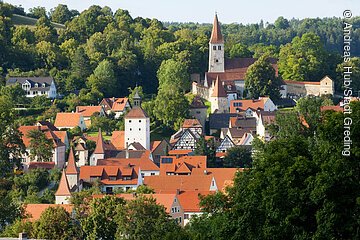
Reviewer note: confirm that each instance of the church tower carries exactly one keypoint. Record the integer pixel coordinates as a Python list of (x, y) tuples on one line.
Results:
[(216, 49), (218, 99), (137, 125)]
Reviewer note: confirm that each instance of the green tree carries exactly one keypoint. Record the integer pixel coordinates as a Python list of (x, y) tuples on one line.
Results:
[(238, 157), (170, 106), (99, 219), (40, 146), (11, 145), (260, 80), (240, 50), (55, 223), (304, 59), (354, 63), (44, 31), (173, 76), (206, 148), (281, 23), (103, 78), (61, 14), (14, 92), (80, 64), (37, 12), (142, 218)]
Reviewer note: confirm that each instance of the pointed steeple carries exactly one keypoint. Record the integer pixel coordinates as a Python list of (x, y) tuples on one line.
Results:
[(100, 149), (71, 166), (63, 189), (137, 99), (216, 36), (219, 90)]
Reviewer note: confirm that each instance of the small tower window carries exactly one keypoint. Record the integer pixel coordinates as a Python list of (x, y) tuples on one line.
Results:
[(214, 47), (216, 60), (219, 47)]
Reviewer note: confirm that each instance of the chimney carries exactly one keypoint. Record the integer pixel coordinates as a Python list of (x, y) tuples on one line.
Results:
[(127, 151)]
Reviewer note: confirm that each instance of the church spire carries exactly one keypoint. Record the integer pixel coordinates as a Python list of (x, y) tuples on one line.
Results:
[(71, 166), (216, 36), (63, 189), (100, 149)]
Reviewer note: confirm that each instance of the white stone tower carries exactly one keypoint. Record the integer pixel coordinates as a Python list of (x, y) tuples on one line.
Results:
[(137, 125), (216, 49), (72, 172)]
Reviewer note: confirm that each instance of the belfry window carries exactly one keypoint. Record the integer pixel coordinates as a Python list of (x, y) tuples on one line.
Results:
[(219, 47), (214, 47)]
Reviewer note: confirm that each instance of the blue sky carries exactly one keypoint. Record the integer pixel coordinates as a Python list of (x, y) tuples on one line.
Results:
[(250, 11)]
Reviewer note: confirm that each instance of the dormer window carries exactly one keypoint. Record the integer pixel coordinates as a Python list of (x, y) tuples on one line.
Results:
[(43, 85), (36, 85)]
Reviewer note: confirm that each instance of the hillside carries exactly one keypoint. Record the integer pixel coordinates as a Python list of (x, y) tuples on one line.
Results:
[(30, 22)]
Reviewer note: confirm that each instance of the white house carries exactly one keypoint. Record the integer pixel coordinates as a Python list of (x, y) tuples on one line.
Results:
[(35, 86)]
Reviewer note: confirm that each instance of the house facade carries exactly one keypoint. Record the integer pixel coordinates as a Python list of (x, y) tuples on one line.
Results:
[(35, 86)]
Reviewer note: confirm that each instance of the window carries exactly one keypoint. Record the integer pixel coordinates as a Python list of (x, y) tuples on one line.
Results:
[(186, 216), (139, 120), (139, 129), (219, 47), (180, 219), (216, 60), (129, 121), (43, 85), (152, 174), (112, 178), (130, 129), (36, 85), (214, 47)]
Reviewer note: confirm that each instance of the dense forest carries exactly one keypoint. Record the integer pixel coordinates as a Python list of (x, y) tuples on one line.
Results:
[(99, 52)]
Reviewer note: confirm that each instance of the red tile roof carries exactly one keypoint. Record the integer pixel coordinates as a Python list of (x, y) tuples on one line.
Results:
[(67, 120), (118, 139), (63, 189), (88, 111), (136, 112), (180, 152), (71, 167), (154, 145), (119, 104), (172, 183), (216, 36), (104, 172), (245, 104), (301, 83), (222, 175), (219, 90), (191, 123), (48, 133), (183, 164), (333, 108), (100, 149), (144, 162), (190, 201), (34, 211)]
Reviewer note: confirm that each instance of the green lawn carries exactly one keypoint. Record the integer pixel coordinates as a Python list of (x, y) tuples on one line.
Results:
[(31, 22), (94, 134)]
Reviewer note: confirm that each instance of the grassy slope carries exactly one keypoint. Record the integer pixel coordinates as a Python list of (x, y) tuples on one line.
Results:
[(31, 22)]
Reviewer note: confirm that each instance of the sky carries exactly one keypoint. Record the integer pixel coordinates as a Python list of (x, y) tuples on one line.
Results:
[(202, 11)]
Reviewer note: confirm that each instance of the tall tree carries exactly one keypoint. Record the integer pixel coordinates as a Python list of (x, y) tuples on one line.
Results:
[(61, 14), (304, 59), (238, 157), (41, 147), (260, 79), (173, 76), (55, 223), (142, 218), (11, 145), (103, 78)]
